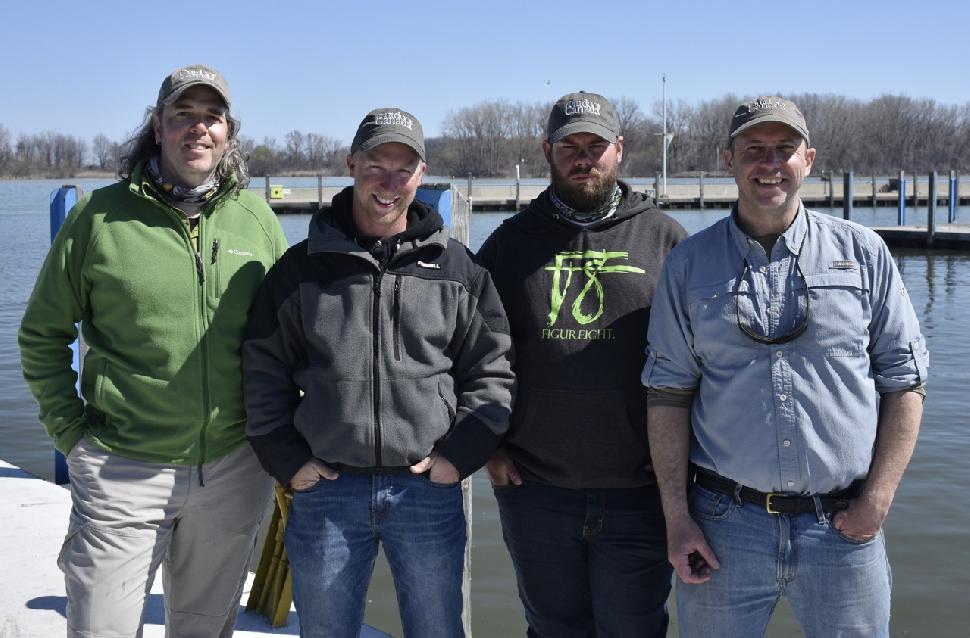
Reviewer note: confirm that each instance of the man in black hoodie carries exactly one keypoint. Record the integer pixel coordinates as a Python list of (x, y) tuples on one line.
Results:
[(576, 270), (377, 375)]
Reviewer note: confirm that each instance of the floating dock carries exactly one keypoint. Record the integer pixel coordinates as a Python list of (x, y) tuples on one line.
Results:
[(32, 601), (506, 195)]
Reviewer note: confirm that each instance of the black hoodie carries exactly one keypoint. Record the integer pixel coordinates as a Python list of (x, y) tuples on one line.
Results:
[(397, 351), (578, 302)]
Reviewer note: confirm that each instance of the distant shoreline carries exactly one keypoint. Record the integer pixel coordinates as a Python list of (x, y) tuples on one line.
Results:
[(99, 174)]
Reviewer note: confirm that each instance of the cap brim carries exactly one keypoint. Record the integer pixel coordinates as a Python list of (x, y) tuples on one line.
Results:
[(583, 127), (174, 95), (384, 138), (769, 119)]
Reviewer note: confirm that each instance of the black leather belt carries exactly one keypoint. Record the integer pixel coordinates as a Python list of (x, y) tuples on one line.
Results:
[(777, 502)]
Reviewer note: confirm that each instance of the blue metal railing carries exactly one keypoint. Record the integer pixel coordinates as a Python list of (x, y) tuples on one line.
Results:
[(62, 200)]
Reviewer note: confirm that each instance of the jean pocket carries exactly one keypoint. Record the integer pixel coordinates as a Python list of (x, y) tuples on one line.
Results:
[(312, 488), (854, 541), (426, 477), (711, 506)]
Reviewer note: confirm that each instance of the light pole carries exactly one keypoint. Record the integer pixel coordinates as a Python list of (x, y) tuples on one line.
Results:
[(665, 139), (663, 193)]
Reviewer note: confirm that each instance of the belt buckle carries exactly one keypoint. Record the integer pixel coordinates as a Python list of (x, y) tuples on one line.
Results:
[(768, 498)]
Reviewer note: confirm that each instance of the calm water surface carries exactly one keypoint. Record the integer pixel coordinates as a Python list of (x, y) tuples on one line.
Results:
[(927, 530)]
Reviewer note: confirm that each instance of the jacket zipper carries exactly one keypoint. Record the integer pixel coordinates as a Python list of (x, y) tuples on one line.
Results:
[(376, 332), (198, 268), (200, 271), (204, 359), (397, 318)]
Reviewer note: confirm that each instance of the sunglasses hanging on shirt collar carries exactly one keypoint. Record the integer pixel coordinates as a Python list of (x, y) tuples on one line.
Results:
[(799, 328)]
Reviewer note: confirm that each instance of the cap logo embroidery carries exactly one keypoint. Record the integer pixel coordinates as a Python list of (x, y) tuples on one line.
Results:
[(578, 107), (394, 118), (196, 73), (769, 103)]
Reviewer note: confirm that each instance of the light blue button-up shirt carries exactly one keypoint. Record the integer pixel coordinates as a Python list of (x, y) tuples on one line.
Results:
[(796, 417)]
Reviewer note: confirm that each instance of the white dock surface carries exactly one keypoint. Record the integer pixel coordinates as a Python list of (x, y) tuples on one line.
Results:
[(33, 522)]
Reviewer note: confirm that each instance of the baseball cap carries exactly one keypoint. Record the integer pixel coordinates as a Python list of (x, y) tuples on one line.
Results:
[(582, 112), (389, 124), (768, 108), (195, 74)]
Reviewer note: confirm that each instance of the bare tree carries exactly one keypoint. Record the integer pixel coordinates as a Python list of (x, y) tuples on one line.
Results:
[(6, 150), (104, 151), (320, 151), (490, 138), (293, 152)]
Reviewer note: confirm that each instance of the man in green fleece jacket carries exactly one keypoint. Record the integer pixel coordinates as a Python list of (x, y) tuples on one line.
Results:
[(159, 270)]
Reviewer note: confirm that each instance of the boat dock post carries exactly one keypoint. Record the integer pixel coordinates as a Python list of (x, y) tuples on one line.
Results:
[(847, 195), (954, 197), (901, 217)]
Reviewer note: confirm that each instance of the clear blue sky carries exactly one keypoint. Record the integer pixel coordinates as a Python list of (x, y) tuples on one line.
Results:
[(83, 68)]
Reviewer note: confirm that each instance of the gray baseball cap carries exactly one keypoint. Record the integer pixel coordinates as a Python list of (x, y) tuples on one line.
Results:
[(768, 108), (389, 124), (195, 74), (582, 113)]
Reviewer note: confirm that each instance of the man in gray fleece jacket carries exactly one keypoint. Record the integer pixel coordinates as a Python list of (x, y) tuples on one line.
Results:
[(377, 374)]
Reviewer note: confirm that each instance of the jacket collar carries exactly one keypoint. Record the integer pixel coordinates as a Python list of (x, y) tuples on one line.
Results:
[(541, 215), (333, 230)]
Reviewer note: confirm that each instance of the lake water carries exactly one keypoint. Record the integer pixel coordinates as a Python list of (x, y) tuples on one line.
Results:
[(927, 529)]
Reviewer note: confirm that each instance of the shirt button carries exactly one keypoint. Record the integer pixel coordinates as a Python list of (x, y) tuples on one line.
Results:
[(786, 443), (791, 483), (779, 354), (782, 397)]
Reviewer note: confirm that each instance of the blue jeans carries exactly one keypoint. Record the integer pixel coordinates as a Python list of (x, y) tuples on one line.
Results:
[(838, 587), (589, 562), (332, 536)]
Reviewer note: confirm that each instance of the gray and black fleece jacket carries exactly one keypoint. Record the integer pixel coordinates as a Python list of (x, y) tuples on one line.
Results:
[(371, 358), (578, 302)]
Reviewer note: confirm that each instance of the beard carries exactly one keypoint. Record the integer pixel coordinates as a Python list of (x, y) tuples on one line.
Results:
[(586, 196)]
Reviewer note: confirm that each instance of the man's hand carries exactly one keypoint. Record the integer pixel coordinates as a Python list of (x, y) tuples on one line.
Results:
[(899, 418), (501, 469), (439, 469), (861, 521), (311, 473), (688, 551)]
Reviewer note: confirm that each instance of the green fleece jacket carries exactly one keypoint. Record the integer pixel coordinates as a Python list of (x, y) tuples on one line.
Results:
[(162, 323)]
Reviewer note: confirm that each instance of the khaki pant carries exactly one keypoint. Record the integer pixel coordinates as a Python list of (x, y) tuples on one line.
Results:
[(129, 517)]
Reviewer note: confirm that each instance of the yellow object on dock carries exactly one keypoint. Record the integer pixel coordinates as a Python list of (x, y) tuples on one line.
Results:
[(272, 591), (276, 192)]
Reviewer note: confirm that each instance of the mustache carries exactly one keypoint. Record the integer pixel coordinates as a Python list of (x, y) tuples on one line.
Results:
[(584, 171)]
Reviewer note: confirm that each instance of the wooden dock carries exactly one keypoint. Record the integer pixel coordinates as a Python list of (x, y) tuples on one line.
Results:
[(503, 195), (32, 601), (945, 236)]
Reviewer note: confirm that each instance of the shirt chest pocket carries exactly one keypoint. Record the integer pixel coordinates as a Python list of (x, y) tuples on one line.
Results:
[(712, 309), (839, 313), (711, 302)]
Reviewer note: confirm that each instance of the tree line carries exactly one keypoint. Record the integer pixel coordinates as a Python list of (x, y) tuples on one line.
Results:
[(488, 139)]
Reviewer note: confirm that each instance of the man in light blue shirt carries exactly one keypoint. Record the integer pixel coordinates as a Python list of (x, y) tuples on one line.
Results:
[(786, 373)]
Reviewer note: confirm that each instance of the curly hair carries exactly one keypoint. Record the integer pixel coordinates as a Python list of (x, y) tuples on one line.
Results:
[(142, 146)]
